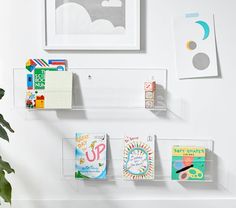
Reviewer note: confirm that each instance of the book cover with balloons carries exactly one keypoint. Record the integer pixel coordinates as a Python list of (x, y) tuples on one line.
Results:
[(90, 156), (195, 45), (188, 163), (138, 159)]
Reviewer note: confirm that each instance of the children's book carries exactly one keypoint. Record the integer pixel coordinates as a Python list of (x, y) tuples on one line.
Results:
[(58, 94), (36, 69), (39, 77), (138, 159), (188, 163), (90, 156)]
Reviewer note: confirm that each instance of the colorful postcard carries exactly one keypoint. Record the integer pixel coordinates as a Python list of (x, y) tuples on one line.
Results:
[(39, 77), (138, 158), (36, 69), (90, 156), (195, 45), (57, 64), (35, 99), (188, 163), (36, 96)]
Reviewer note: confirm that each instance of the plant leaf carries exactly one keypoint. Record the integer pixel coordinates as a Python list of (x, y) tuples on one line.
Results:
[(2, 92), (3, 134), (5, 188), (5, 123), (6, 166)]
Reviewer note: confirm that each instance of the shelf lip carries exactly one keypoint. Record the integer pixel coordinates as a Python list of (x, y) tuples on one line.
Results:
[(160, 73), (121, 160), (114, 173), (119, 108), (119, 178), (158, 139), (107, 68), (74, 108)]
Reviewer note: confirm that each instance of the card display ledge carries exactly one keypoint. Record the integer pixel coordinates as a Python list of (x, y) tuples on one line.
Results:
[(103, 89), (163, 159), (91, 108)]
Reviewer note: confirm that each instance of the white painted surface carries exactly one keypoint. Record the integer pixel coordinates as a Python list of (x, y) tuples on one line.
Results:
[(200, 108)]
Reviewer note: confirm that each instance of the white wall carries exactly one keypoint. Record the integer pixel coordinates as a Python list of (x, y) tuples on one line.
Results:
[(201, 108)]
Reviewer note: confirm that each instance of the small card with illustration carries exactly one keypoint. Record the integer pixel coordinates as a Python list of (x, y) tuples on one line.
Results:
[(138, 158), (90, 156), (188, 163)]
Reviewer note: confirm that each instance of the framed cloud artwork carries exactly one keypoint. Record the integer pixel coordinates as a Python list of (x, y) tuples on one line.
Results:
[(92, 25), (195, 45)]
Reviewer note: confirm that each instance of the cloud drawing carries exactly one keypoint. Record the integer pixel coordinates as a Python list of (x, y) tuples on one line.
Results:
[(72, 18), (112, 3)]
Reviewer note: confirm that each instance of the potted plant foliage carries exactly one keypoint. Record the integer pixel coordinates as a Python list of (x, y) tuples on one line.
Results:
[(5, 168)]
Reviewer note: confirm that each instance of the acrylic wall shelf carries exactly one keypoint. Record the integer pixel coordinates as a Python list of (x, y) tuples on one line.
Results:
[(162, 158), (104, 89)]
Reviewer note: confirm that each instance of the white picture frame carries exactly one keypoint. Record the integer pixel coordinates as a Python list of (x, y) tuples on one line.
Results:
[(128, 38)]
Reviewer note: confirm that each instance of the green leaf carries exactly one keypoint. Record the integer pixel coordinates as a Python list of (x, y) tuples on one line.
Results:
[(80, 175), (5, 123), (6, 166), (3, 134), (5, 188), (2, 92)]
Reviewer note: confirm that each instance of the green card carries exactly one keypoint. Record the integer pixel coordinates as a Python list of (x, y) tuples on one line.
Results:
[(39, 77), (188, 163)]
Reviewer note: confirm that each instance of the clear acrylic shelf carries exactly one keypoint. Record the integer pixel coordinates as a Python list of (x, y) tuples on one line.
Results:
[(163, 154), (103, 89)]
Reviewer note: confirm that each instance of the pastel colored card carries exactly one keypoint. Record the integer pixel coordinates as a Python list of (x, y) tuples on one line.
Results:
[(90, 156), (58, 89), (188, 163), (58, 80), (138, 158), (195, 46)]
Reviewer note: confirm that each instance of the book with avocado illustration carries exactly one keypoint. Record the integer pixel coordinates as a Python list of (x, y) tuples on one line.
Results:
[(90, 156), (188, 163), (138, 158)]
